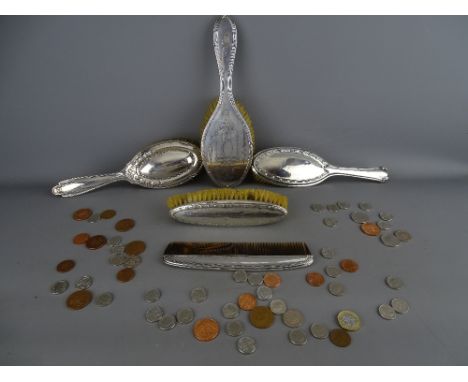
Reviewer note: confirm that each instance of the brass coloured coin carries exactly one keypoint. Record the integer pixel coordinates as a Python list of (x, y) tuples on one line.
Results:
[(349, 320), (261, 317), (340, 338)]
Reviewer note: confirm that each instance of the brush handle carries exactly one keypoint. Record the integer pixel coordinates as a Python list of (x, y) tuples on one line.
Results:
[(81, 185), (378, 174)]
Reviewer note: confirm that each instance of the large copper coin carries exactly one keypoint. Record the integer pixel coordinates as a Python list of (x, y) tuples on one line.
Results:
[(135, 247), (79, 299), (96, 242), (107, 214), (125, 275), (272, 280), (205, 329), (261, 317), (315, 279), (81, 238), (125, 225), (340, 337), (247, 301), (370, 229), (82, 214), (65, 266), (349, 265)]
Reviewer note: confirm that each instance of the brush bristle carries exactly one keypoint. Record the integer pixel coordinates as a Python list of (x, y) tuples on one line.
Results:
[(228, 194)]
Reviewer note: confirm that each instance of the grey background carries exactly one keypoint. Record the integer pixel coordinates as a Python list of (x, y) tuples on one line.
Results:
[(80, 95)]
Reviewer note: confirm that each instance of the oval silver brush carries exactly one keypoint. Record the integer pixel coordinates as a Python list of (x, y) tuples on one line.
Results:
[(226, 144)]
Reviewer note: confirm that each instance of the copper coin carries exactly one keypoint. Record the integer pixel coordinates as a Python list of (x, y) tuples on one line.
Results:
[(349, 265), (79, 299), (205, 329), (315, 279), (82, 214), (340, 337), (65, 266), (370, 229), (107, 214), (135, 247), (272, 280), (125, 275), (96, 242), (247, 301), (81, 238), (125, 225), (261, 317)]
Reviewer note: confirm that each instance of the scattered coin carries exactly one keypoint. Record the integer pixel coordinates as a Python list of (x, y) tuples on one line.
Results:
[(370, 229), (154, 314), (115, 240), (387, 312), (333, 207), (349, 320), (185, 316), (317, 207), (330, 222), (234, 328), (84, 282), (132, 261), (246, 345), (261, 317), (65, 266), (365, 206), (79, 299), (59, 287), (117, 249), (394, 282), (96, 242), (125, 275), (315, 279), (340, 338), (255, 278), (359, 217), (118, 259), (297, 337), (94, 218), (389, 240), (80, 238), (327, 253), (278, 306), (343, 205), (385, 216), (349, 265), (198, 295), (399, 305), (167, 322), (104, 299), (152, 295), (230, 310), (384, 225), (264, 293), (135, 248), (206, 329), (402, 235), (272, 279), (293, 318), (125, 225), (107, 214), (239, 276), (319, 331), (82, 214), (333, 271), (247, 301), (336, 289)]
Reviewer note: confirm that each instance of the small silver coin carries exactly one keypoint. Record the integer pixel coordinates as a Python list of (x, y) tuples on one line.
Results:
[(365, 206), (278, 306), (330, 222), (333, 207), (319, 331), (154, 314), (152, 295), (387, 312), (333, 271), (104, 299), (118, 259), (394, 282), (115, 240), (359, 217), (327, 253), (255, 278), (384, 225), (336, 289), (293, 318), (297, 337), (385, 216), (316, 207), (264, 293), (84, 282), (59, 287), (117, 249), (402, 235), (167, 322), (246, 345), (239, 276), (389, 240), (185, 316), (94, 218), (234, 328), (230, 310), (132, 261), (342, 205), (399, 305), (198, 295)]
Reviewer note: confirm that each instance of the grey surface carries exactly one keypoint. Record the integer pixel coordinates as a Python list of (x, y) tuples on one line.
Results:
[(80, 95)]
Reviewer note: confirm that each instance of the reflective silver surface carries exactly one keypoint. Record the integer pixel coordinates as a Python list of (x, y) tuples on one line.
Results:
[(295, 167), (163, 164)]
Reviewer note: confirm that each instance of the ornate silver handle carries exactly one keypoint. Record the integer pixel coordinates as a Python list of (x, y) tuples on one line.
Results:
[(225, 46), (84, 184), (379, 174)]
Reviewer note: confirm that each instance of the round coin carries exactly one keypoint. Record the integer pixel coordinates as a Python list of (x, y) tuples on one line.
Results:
[(365, 206), (297, 337), (107, 214), (278, 306), (206, 329), (124, 225), (370, 229), (82, 214), (389, 240), (349, 265), (400, 305), (394, 282), (261, 317), (167, 322), (59, 287), (359, 217), (340, 338), (154, 314), (239, 276), (80, 238), (115, 240), (315, 279), (316, 207), (327, 253), (84, 282), (336, 289), (384, 225), (117, 249), (349, 320), (402, 235), (118, 259), (255, 278), (185, 316), (264, 293), (65, 266), (132, 261), (104, 299), (330, 222), (247, 301), (198, 295), (125, 275), (135, 248), (272, 280), (96, 242), (79, 299), (319, 331), (152, 295), (333, 271), (230, 310), (385, 216), (234, 328), (387, 312), (333, 207), (293, 318), (343, 205), (94, 218), (246, 345)]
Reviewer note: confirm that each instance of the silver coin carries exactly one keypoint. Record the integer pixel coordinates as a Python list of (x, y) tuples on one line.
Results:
[(343, 205), (152, 295), (333, 271), (117, 249), (399, 305), (104, 299), (365, 206), (246, 345), (330, 222), (84, 282), (327, 253), (132, 261), (230, 310), (387, 312), (394, 282), (293, 318), (336, 289), (59, 287), (385, 216), (264, 293), (118, 259), (278, 306), (154, 314), (384, 225), (240, 276), (316, 207), (333, 207), (167, 322), (185, 316), (255, 278), (234, 328), (359, 217), (297, 337), (319, 331), (198, 295), (389, 240), (402, 235), (94, 218), (115, 240)]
